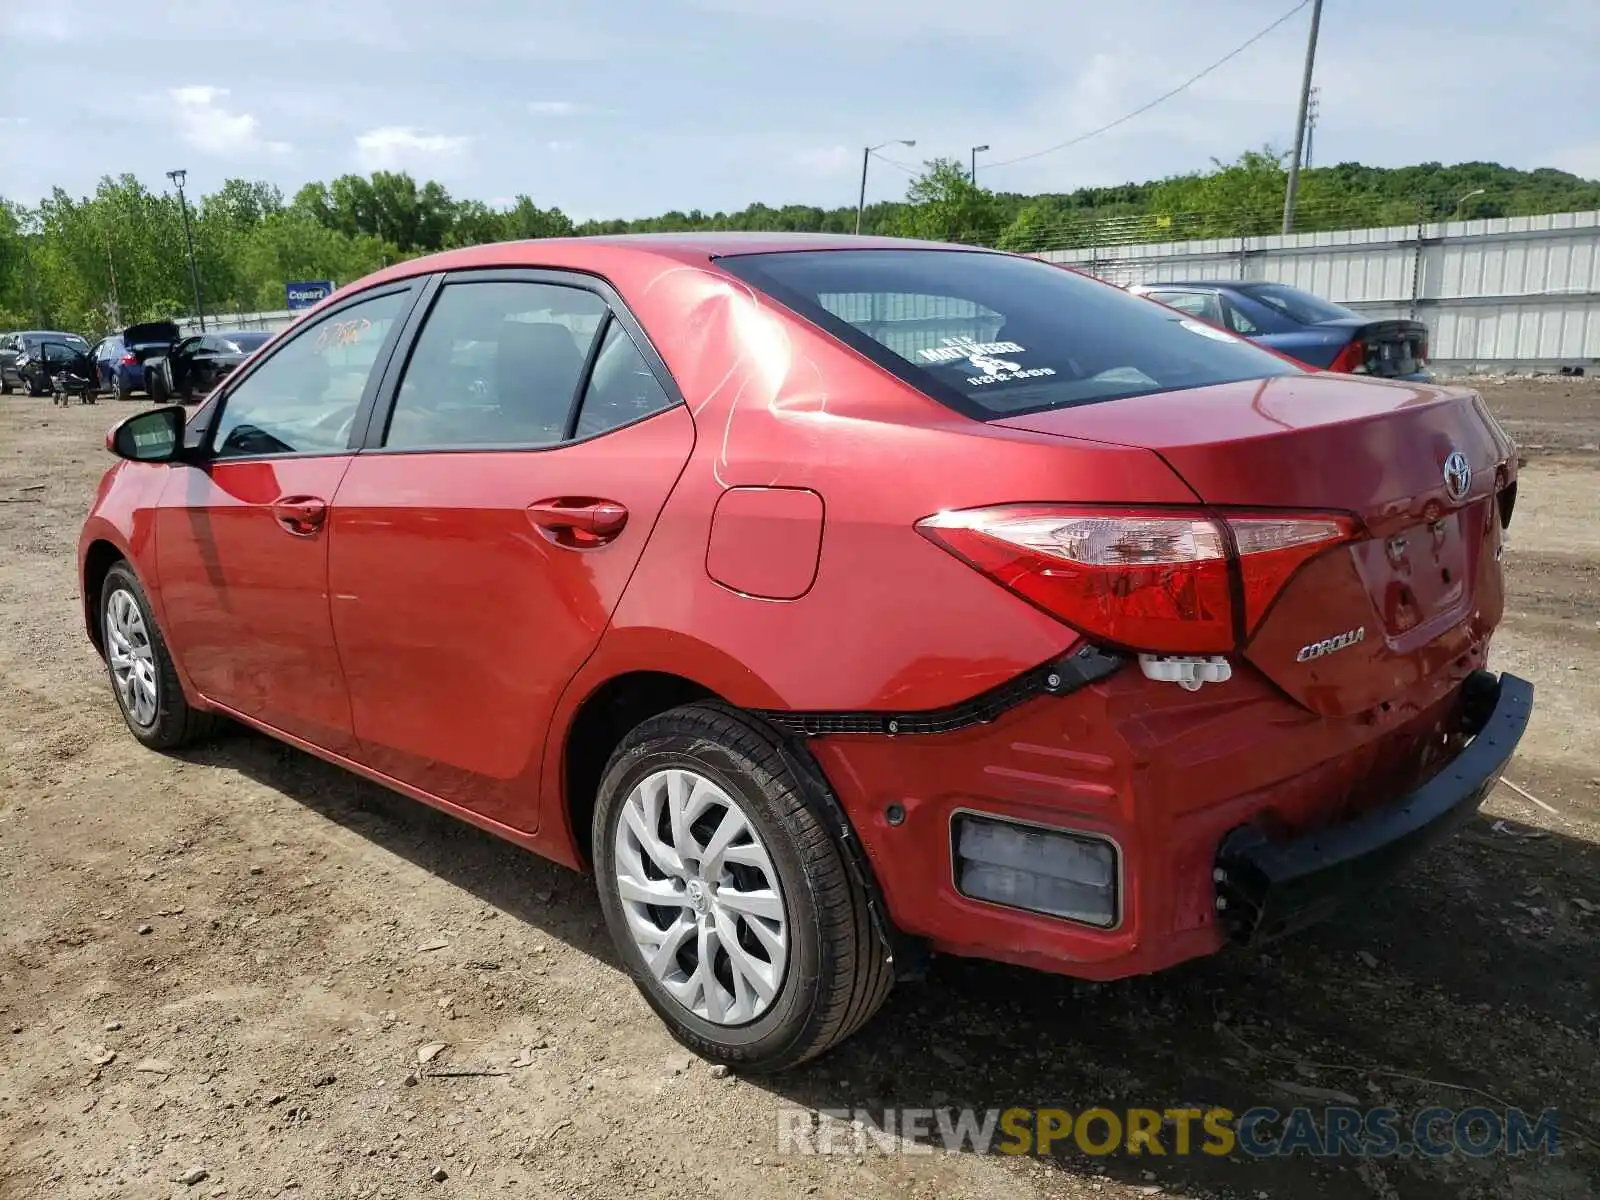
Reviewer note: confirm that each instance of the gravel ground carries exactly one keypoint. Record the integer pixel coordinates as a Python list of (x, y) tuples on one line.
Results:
[(219, 971)]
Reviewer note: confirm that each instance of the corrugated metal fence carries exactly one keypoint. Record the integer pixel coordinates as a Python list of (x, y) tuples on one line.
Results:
[(1519, 292)]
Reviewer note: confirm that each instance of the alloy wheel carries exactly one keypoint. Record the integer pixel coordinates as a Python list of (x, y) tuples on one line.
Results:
[(132, 657), (701, 898)]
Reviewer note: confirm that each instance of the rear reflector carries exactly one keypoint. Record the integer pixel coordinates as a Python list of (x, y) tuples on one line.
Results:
[(1047, 871), (1159, 581)]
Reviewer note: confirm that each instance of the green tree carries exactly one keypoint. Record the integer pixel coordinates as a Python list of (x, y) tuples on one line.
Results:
[(944, 205)]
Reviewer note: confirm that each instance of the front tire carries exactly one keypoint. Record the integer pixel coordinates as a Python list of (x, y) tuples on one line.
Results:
[(728, 899), (143, 677)]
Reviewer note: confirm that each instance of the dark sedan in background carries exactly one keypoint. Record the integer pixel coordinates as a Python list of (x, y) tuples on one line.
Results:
[(1303, 326), (22, 362), (120, 358), (197, 364)]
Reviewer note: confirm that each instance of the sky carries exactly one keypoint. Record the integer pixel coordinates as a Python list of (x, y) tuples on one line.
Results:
[(630, 108)]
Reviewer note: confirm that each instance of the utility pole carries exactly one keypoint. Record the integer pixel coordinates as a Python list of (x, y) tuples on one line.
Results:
[(111, 265), (866, 156), (177, 178), (1300, 122), (1311, 122)]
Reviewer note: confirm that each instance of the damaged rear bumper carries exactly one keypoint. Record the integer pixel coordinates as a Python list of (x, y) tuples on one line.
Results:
[(1266, 889)]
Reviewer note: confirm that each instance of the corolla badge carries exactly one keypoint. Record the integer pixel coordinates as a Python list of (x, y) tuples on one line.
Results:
[(1342, 641), (1457, 475)]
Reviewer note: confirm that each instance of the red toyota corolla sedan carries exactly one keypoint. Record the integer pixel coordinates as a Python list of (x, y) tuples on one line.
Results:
[(834, 600)]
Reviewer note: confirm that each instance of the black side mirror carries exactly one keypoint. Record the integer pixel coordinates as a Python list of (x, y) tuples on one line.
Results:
[(155, 435)]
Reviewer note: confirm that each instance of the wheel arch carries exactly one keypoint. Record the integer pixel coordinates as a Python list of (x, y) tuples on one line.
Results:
[(99, 556), (617, 704)]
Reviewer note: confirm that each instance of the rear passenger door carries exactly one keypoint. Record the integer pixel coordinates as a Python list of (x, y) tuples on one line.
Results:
[(482, 538)]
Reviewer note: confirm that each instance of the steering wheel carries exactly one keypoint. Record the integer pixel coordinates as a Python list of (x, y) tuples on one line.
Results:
[(338, 423)]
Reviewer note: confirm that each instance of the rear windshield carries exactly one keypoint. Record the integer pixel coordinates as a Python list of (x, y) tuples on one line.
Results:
[(993, 335), (246, 343), (1295, 304)]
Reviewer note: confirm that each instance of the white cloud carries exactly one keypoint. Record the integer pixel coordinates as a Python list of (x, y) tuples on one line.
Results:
[(560, 147), (32, 23), (828, 161), (209, 127), (392, 147), (556, 108)]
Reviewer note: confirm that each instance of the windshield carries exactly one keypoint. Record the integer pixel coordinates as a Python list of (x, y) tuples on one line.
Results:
[(994, 335), (1298, 306)]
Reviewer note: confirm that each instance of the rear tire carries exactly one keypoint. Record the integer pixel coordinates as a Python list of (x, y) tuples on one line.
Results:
[(144, 679), (118, 392), (155, 383), (813, 969)]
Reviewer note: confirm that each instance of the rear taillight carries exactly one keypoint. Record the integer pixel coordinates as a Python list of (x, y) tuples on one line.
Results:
[(129, 360), (1162, 581), (1352, 359), (1271, 549)]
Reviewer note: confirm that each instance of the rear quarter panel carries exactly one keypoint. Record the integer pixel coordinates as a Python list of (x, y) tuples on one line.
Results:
[(1314, 347)]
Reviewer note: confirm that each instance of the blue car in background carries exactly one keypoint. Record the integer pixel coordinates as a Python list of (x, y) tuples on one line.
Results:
[(1303, 326), (119, 359)]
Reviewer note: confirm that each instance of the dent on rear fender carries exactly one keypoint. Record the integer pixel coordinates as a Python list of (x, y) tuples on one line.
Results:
[(735, 360)]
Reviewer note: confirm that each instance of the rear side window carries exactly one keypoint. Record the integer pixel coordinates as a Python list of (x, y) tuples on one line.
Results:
[(496, 364), (994, 335), (1204, 305)]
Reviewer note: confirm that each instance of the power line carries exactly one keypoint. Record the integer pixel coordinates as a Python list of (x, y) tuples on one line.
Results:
[(906, 167), (1193, 79)]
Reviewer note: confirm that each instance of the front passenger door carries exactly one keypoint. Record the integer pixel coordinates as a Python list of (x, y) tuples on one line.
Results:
[(241, 529)]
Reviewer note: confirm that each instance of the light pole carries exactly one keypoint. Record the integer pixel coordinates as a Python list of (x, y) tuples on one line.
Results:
[(975, 152), (177, 178), (1468, 196), (1300, 122), (866, 155)]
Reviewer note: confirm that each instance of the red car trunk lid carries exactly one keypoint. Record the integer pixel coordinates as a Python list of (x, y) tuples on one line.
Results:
[(1419, 590)]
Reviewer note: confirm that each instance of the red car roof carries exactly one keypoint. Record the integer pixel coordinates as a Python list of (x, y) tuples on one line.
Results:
[(594, 252)]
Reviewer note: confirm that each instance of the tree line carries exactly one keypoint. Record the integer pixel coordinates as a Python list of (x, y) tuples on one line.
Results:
[(94, 263)]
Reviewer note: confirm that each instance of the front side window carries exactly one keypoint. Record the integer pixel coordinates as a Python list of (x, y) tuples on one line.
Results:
[(496, 364), (303, 399), (995, 335)]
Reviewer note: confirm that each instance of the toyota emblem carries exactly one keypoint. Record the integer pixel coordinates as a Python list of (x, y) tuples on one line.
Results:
[(1457, 476)]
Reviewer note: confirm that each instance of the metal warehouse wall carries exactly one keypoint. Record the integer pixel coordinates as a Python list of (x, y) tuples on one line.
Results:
[(1508, 292)]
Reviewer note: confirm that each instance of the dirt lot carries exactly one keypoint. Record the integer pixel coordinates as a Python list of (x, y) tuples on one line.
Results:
[(227, 961)]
